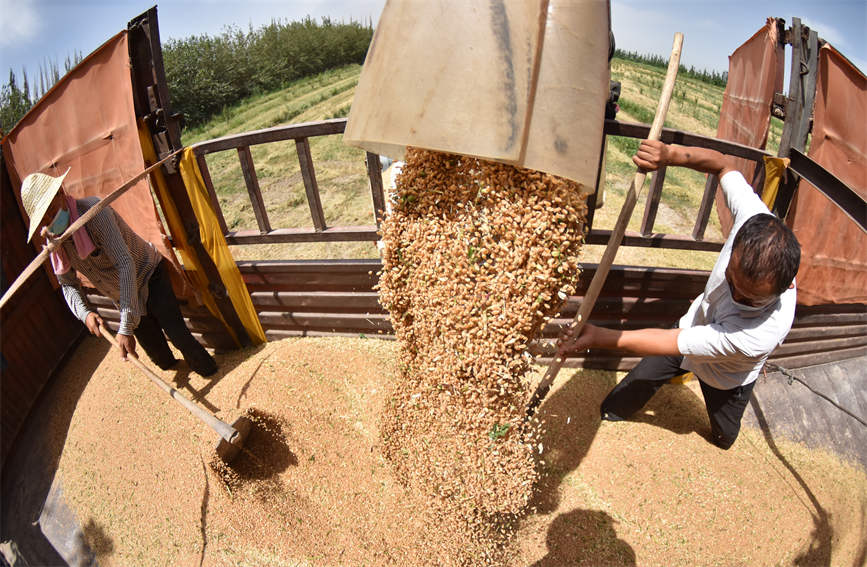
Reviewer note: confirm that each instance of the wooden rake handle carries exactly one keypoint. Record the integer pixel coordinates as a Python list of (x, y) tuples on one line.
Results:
[(108, 199), (222, 428), (617, 234)]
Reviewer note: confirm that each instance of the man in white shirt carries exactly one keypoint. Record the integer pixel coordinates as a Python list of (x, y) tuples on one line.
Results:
[(729, 331)]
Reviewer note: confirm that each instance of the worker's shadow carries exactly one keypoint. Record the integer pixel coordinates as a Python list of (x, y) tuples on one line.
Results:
[(571, 416), (198, 388), (572, 419), (819, 552), (575, 536), (34, 514), (677, 408)]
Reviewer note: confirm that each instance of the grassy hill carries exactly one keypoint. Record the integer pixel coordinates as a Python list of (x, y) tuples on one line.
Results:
[(342, 178)]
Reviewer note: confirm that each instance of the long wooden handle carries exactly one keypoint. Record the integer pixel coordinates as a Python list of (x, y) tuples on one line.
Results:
[(617, 234), (108, 199), (222, 428)]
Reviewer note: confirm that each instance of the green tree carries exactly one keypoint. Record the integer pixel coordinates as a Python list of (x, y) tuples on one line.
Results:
[(206, 74), (14, 102)]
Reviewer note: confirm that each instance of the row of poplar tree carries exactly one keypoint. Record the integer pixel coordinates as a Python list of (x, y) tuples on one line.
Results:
[(206, 74)]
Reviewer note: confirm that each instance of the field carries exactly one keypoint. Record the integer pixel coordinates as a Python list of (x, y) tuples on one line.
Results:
[(344, 187)]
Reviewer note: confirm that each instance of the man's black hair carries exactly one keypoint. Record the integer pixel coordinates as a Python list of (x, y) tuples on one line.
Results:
[(767, 250)]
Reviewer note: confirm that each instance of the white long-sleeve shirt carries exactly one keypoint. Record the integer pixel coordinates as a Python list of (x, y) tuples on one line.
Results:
[(723, 345)]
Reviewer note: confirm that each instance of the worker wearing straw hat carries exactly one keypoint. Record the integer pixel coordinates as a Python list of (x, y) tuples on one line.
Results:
[(729, 331), (121, 265)]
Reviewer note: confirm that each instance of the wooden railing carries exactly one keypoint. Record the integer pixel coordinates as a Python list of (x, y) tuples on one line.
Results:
[(320, 232), (338, 297), (301, 134)]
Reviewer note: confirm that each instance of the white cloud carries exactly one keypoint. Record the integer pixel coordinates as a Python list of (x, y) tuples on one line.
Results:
[(833, 36), (20, 27), (827, 32)]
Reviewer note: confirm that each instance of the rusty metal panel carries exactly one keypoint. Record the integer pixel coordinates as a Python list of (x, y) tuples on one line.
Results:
[(37, 327)]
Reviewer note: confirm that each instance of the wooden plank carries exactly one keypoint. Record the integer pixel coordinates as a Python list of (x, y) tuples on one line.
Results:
[(597, 198), (252, 182), (312, 282), (812, 333), (641, 308), (308, 173), (819, 345), (209, 324), (648, 282), (328, 266), (808, 89), (330, 301), (220, 341), (599, 361), (325, 321), (367, 233), (794, 102), (704, 209), (556, 327), (667, 241), (212, 194), (279, 334), (831, 308), (622, 281), (799, 107), (274, 134), (827, 319), (652, 204), (670, 136), (374, 174), (816, 358)]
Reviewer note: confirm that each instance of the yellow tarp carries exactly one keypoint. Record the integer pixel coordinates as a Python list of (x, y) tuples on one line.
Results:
[(212, 240), (775, 167)]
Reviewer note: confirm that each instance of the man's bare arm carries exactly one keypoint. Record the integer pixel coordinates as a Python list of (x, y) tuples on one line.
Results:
[(639, 341), (652, 155)]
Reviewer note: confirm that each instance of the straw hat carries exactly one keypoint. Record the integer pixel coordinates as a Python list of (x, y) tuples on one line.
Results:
[(37, 192)]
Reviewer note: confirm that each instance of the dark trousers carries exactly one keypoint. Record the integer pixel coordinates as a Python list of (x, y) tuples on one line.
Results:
[(725, 408), (163, 314)]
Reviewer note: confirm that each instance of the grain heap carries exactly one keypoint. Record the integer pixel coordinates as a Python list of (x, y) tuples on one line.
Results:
[(477, 256)]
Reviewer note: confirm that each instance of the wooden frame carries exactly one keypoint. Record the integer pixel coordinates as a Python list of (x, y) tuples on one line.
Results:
[(151, 100), (338, 297), (319, 232), (300, 134)]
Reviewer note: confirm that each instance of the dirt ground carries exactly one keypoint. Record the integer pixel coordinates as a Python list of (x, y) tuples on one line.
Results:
[(316, 490)]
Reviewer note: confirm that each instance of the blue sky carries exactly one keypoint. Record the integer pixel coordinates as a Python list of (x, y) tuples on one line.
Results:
[(33, 31)]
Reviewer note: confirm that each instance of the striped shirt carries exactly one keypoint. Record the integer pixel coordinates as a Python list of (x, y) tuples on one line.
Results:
[(120, 267)]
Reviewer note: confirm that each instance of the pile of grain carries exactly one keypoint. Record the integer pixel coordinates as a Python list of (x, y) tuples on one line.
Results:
[(477, 256), (263, 454)]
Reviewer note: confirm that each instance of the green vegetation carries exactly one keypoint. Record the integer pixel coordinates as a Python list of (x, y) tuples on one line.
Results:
[(207, 74), (15, 101), (304, 71), (712, 77), (341, 172), (340, 169)]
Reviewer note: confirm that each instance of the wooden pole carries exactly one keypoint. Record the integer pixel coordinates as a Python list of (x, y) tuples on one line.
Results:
[(222, 428), (616, 234), (103, 203)]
